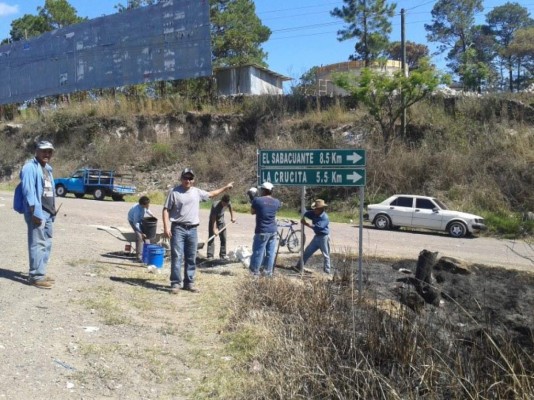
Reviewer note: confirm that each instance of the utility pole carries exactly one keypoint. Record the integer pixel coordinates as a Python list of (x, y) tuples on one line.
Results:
[(404, 72)]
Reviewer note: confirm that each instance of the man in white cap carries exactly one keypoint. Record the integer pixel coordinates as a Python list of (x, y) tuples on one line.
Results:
[(38, 191), (265, 208), (321, 240), (180, 221)]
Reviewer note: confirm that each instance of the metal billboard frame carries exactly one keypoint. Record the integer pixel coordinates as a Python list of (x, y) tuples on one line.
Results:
[(166, 41)]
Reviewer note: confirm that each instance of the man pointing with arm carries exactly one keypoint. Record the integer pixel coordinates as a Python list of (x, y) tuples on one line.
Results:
[(180, 221)]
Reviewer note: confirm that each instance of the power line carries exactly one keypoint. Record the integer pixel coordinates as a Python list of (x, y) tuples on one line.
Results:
[(300, 8), (420, 5)]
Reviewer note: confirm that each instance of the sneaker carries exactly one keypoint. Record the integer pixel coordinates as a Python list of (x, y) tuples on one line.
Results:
[(42, 284), (209, 258), (175, 288), (191, 288), (225, 257)]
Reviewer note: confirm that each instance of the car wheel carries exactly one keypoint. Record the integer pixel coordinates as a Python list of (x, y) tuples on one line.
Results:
[(99, 194), (61, 191), (382, 222), (457, 229), (79, 195), (117, 197)]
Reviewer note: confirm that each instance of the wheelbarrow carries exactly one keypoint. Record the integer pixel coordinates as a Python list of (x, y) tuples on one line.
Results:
[(126, 235), (123, 234)]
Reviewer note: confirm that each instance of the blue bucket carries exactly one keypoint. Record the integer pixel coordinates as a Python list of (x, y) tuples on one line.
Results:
[(146, 251), (155, 255)]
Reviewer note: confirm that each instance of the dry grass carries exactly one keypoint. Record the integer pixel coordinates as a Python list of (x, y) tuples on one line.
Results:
[(318, 340), (478, 158)]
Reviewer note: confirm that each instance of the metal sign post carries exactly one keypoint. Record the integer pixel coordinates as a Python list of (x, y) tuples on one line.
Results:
[(316, 167)]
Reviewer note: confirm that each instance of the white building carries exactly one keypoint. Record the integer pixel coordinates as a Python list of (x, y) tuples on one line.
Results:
[(325, 86), (248, 80)]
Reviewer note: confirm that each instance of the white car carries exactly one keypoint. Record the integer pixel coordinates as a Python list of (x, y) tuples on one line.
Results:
[(423, 212)]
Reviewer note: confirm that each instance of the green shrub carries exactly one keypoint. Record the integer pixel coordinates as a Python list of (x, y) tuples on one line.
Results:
[(162, 154), (508, 225)]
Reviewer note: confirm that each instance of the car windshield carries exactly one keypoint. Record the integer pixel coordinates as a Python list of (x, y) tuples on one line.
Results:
[(441, 204)]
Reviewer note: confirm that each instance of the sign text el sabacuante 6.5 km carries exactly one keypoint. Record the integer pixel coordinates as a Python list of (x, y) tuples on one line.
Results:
[(327, 167)]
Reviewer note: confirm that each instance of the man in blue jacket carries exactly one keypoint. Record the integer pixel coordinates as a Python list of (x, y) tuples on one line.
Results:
[(265, 239), (321, 240), (39, 212)]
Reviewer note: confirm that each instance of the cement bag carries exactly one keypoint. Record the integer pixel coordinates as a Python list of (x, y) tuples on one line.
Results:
[(242, 253)]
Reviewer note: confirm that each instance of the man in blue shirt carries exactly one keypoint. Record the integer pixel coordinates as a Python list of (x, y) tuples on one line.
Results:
[(265, 240), (38, 190), (135, 217), (321, 240)]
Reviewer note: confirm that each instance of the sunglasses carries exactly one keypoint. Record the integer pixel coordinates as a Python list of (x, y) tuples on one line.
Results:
[(188, 178)]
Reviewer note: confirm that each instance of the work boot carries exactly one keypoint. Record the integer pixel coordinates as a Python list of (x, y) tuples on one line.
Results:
[(175, 288), (49, 279), (191, 288), (42, 284)]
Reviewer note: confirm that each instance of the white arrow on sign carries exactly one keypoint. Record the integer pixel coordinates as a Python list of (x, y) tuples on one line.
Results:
[(354, 157), (354, 177)]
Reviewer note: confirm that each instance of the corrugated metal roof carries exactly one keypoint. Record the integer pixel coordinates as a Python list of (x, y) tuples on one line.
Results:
[(358, 64), (267, 70)]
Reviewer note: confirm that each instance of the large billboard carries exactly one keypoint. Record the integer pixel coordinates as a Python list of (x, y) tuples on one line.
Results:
[(166, 41)]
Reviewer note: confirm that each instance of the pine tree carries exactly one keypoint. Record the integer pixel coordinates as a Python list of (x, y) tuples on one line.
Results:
[(237, 33), (368, 21)]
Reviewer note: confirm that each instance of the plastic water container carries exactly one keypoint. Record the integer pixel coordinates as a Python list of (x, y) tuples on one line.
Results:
[(146, 251), (155, 255)]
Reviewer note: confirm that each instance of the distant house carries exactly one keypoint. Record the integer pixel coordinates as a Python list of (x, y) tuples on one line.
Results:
[(323, 75), (248, 80)]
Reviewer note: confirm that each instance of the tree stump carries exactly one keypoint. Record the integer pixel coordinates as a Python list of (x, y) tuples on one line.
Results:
[(423, 277)]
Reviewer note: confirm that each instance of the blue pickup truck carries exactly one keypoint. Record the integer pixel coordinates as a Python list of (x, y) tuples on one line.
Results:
[(99, 183)]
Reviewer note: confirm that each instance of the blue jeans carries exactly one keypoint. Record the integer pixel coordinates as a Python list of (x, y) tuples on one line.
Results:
[(183, 245), (263, 253), (319, 242), (39, 245)]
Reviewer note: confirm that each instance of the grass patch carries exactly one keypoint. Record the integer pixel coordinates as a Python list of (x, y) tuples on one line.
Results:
[(509, 226), (314, 339), (106, 303)]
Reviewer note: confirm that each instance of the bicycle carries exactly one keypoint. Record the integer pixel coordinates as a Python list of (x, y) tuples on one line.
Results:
[(291, 239)]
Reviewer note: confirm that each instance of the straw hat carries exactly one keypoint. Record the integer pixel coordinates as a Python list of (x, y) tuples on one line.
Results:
[(319, 203)]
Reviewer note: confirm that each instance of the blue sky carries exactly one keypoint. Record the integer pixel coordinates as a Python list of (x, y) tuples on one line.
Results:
[(304, 33)]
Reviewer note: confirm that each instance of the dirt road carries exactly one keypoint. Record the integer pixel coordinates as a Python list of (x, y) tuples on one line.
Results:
[(110, 329)]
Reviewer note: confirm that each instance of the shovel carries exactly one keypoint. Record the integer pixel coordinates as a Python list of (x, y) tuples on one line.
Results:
[(201, 244)]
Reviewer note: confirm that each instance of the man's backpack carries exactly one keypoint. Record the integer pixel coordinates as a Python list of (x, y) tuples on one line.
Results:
[(18, 199)]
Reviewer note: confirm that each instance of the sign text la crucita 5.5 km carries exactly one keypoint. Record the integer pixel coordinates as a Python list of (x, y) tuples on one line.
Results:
[(328, 167)]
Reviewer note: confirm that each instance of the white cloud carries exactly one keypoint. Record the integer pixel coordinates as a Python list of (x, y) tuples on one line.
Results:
[(6, 9)]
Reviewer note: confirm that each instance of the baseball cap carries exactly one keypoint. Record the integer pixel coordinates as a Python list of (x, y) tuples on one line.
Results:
[(267, 186), (45, 145), (188, 171)]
